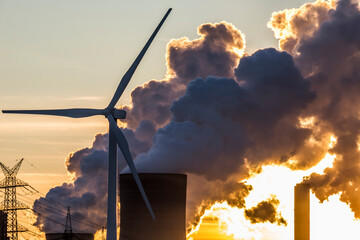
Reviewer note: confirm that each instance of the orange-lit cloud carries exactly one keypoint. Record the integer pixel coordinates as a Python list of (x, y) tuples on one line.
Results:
[(291, 26), (216, 52)]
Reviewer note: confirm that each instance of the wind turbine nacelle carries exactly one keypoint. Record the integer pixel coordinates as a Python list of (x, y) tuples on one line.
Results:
[(119, 114)]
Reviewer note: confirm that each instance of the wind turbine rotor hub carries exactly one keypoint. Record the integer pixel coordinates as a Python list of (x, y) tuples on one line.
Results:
[(118, 114), (106, 112)]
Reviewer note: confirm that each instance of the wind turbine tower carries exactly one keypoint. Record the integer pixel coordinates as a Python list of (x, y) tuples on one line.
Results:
[(11, 205)]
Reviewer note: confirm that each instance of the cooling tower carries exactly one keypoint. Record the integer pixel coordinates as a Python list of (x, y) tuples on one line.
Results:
[(302, 211), (69, 236), (167, 196)]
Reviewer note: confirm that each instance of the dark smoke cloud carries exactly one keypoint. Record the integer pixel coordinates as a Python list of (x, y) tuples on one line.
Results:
[(220, 122), (266, 211), (215, 53)]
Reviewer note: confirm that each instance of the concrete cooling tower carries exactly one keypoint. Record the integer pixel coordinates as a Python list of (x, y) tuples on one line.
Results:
[(167, 196)]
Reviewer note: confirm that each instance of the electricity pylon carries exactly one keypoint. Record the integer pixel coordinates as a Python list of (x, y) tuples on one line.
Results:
[(10, 205), (68, 233)]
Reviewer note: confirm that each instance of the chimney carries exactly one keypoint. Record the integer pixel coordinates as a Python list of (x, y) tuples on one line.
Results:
[(302, 211)]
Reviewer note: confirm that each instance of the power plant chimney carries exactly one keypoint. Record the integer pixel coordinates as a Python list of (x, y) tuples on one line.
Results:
[(167, 196), (302, 211)]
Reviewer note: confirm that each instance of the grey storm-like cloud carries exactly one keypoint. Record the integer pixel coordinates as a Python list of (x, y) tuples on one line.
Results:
[(220, 122)]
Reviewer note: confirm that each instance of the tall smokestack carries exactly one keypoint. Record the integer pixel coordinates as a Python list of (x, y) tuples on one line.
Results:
[(167, 196), (302, 211)]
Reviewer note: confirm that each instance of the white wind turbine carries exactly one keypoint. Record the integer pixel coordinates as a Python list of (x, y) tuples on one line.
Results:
[(116, 137)]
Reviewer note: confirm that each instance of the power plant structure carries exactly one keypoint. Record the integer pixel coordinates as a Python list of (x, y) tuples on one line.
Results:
[(302, 211), (167, 196), (10, 205)]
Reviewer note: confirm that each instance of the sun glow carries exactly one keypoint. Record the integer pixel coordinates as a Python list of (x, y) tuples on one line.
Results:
[(230, 221), (332, 219)]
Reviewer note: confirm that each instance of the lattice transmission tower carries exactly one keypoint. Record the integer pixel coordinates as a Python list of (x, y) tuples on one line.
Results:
[(11, 205)]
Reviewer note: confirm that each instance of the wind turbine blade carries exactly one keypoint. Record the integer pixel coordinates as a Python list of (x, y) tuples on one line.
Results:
[(72, 112), (124, 147), (126, 78)]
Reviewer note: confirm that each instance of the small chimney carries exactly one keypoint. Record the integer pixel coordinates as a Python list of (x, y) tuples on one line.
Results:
[(302, 211)]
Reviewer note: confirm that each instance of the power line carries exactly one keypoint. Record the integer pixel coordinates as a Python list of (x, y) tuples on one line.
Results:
[(62, 212), (47, 205), (50, 206)]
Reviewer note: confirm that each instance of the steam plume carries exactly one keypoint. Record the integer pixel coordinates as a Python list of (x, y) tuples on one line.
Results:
[(329, 58), (220, 121)]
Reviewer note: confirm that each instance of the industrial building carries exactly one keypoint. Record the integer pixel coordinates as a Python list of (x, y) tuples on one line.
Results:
[(302, 211), (167, 196)]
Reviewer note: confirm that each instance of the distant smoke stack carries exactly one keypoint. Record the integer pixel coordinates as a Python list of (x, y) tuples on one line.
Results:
[(302, 211), (167, 196)]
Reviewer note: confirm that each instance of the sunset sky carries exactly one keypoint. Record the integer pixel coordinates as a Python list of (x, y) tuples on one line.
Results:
[(68, 54)]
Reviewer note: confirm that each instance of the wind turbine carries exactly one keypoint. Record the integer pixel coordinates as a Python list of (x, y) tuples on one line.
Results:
[(116, 137)]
